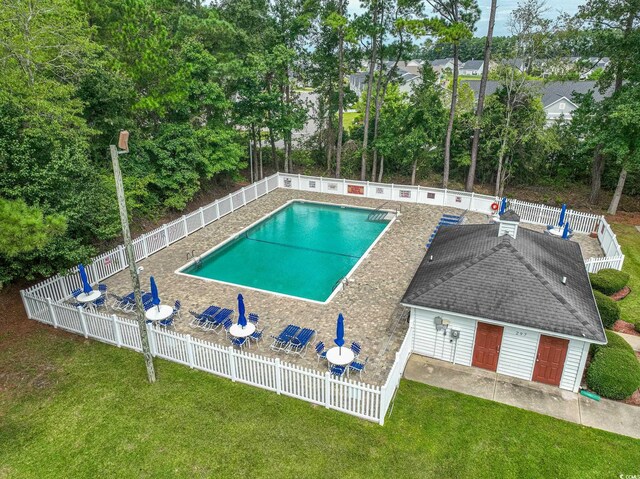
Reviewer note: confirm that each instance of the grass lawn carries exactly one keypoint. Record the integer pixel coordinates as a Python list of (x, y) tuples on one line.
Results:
[(629, 239), (79, 408), (348, 118)]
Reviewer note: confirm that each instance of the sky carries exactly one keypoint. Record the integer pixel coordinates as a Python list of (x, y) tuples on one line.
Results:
[(502, 13)]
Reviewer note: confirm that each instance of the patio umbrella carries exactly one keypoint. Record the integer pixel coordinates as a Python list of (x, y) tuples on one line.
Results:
[(242, 321), (339, 333), (86, 287), (565, 231), (155, 299), (563, 212), (503, 206)]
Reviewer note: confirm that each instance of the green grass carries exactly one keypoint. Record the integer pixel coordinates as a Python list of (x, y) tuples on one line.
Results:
[(348, 118), (87, 411), (629, 239)]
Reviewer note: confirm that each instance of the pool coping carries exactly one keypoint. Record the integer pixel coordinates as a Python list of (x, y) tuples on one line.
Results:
[(237, 235)]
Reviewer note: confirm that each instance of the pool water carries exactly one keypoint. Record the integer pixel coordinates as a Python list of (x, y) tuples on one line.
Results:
[(303, 250)]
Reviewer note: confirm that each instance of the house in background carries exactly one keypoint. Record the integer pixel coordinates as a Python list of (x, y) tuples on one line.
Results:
[(472, 67), (557, 97), (507, 299), (442, 65)]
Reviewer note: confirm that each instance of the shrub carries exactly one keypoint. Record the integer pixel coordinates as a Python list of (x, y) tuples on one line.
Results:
[(614, 341), (614, 373), (609, 309), (609, 281)]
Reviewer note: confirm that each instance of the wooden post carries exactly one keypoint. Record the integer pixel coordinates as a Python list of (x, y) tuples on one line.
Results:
[(133, 269)]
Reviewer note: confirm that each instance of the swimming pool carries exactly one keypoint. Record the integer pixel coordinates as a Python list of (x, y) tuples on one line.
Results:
[(303, 249)]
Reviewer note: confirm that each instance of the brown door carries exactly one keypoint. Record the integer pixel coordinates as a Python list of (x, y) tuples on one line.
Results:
[(487, 347), (550, 360)]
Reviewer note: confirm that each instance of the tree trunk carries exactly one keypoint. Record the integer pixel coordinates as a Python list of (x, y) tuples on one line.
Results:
[(274, 153), (260, 174), (367, 108), (329, 141), (597, 168), (452, 114), (375, 123), (381, 168), (414, 170), (613, 207), (340, 97), (481, 95)]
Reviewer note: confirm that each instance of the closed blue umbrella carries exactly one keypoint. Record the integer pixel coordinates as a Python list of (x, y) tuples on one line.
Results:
[(503, 206), (563, 212), (86, 287), (339, 332), (155, 299), (242, 321), (565, 231)]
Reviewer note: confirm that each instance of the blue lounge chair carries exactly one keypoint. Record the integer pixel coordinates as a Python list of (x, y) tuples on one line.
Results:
[(253, 318), (239, 342), (198, 321), (227, 324), (100, 303), (356, 348), (76, 292), (357, 366), (119, 302), (257, 335), (222, 318), (102, 288), (337, 370), (298, 343), (321, 352), (281, 341), (166, 323)]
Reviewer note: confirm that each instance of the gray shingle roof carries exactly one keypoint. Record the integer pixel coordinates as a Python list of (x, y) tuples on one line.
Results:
[(510, 215), (517, 281), (472, 65)]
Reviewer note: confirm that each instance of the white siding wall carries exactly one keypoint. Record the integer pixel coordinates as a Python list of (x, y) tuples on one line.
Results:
[(574, 365), (436, 345), (518, 352)]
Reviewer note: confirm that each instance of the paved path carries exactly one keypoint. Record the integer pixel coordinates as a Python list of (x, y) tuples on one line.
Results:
[(604, 414), (634, 341)]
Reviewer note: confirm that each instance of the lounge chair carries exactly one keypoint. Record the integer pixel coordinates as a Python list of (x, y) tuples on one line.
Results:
[(119, 302), (76, 292), (321, 352), (102, 288), (356, 348), (281, 341), (257, 335), (198, 321), (298, 344), (100, 303), (222, 318), (357, 366), (239, 342), (167, 323), (253, 318), (337, 371)]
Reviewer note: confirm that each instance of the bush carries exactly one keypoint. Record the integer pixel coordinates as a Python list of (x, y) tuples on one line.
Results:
[(614, 341), (609, 281), (609, 309), (614, 373)]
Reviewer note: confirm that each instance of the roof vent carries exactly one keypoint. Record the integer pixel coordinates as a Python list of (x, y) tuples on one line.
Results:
[(430, 257), (564, 280), (509, 224)]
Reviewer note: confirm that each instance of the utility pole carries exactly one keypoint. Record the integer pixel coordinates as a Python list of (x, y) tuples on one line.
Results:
[(131, 258)]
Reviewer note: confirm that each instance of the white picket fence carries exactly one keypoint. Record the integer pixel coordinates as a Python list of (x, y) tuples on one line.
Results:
[(529, 212), (342, 394), (44, 301)]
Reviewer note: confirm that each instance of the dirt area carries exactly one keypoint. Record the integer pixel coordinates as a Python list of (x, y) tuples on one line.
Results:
[(623, 293), (621, 326)]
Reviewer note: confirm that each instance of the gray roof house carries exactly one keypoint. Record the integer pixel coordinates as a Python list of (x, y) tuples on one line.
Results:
[(508, 299), (557, 97), (472, 67), (441, 64)]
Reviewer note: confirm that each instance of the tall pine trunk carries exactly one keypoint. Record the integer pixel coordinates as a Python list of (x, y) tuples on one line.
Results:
[(481, 94), (340, 98), (452, 114), (613, 207), (597, 168), (381, 169), (367, 109)]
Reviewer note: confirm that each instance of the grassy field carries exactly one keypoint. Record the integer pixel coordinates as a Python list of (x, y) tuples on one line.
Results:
[(629, 239), (77, 408), (348, 119)]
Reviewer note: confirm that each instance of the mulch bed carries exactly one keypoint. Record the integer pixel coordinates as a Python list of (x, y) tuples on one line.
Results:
[(621, 326), (621, 294)]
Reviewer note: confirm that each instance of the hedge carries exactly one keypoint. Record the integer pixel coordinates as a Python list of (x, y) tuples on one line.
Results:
[(609, 281), (609, 309), (614, 373), (614, 341)]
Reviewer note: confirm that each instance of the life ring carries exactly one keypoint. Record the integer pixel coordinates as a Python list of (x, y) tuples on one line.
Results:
[(495, 206)]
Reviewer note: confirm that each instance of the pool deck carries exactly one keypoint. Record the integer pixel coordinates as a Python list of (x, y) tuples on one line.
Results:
[(369, 303)]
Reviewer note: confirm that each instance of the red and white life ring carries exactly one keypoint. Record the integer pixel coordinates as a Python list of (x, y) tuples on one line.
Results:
[(495, 206)]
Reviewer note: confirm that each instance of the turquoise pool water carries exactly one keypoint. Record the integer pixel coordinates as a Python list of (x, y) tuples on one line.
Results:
[(303, 250)]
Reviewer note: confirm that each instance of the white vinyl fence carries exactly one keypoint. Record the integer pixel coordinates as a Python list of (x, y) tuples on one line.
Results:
[(529, 212), (342, 394), (44, 301)]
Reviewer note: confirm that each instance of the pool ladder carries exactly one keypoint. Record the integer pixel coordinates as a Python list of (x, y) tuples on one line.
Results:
[(197, 261)]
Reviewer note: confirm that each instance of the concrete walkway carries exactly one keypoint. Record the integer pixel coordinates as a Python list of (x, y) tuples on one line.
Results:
[(634, 341), (607, 415)]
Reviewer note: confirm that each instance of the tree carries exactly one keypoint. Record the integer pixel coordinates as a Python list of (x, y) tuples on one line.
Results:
[(455, 22), (481, 94)]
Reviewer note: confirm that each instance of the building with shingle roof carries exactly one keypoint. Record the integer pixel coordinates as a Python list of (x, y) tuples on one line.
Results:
[(508, 299)]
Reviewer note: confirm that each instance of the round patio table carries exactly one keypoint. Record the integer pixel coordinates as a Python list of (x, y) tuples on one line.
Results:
[(240, 332), (88, 297), (340, 356), (156, 313)]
